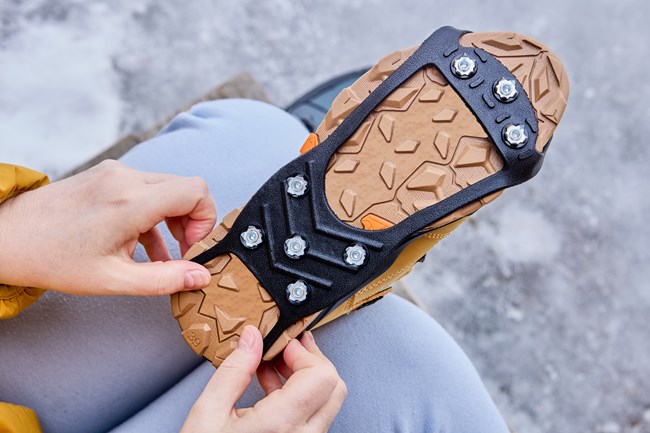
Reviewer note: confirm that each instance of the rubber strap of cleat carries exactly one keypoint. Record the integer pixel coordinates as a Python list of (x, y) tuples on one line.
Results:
[(279, 215)]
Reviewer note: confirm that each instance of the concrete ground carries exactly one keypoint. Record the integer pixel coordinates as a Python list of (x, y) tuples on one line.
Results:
[(546, 289)]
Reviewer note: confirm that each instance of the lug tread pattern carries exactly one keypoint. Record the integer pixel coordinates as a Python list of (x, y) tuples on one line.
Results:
[(537, 68), (420, 145), (432, 155), (441, 148), (212, 319)]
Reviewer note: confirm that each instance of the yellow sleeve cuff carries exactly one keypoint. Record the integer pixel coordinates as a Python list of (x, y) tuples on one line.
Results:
[(18, 419), (15, 299), (14, 180)]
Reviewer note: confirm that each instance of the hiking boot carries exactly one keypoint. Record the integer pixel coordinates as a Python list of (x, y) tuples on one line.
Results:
[(423, 139), (312, 107)]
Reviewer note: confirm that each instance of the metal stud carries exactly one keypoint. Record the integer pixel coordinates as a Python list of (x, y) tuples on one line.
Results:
[(505, 90), (252, 237), (515, 135), (297, 292), (295, 247), (296, 185), (355, 255), (464, 66)]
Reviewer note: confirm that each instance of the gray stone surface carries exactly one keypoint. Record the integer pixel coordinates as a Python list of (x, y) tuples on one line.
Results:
[(546, 289)]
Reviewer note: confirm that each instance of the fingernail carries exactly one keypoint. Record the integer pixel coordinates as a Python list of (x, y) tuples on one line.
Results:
[(247, 339), (195, 279), (310, 336)]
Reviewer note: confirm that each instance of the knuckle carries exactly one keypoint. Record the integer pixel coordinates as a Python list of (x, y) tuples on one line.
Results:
[(109, 165), (199, 185), (328, 377), (110, 177), (343, 389)]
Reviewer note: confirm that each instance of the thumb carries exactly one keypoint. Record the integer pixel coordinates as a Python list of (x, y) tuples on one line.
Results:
[(164, 278), (235, 373)]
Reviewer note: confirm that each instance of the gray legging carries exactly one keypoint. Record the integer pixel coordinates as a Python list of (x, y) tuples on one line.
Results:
[(95, 364)]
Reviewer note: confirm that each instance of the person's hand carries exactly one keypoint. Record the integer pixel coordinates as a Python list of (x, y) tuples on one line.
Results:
[(307, 402), (78, 235)]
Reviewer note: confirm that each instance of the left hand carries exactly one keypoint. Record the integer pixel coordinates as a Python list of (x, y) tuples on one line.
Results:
[(78, 235)]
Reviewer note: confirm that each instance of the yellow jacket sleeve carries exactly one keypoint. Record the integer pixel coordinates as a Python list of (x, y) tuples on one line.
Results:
[(18, 419), (14, 180)]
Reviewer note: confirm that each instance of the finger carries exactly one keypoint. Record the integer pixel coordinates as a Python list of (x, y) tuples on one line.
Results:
[(216, 404), (176, 227), (201, 221), (309, 387), (309, 343), (297, 357), (235, 373), (322, 419), (156, 278), (179, 197), (281, 367), (268, 377), (155, 246)]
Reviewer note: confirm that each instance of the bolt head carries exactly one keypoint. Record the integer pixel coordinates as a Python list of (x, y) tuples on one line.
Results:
[(505, 90), (297, 292), (355, 255), (252, 237), (464, 66), (295, 247), (515, 135), (296, 185)]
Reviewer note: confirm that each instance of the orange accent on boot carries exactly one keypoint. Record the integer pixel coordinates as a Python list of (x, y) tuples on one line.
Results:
[(310, 143), (374, 222)]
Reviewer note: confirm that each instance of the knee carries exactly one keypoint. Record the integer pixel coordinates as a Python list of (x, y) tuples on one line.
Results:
[(236, 114), (230, 108), (208, 113)]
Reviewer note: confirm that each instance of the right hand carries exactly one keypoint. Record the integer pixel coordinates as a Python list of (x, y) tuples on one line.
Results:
[(307, 402)]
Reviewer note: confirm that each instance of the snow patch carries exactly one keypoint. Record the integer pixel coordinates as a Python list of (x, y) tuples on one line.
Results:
[(61, 105), (442, 287), (522, 235)]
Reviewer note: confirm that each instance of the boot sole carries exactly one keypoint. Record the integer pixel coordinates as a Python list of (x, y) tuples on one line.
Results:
[(420, 156)]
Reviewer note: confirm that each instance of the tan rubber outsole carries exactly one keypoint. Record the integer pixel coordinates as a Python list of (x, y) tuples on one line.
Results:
[(420, 145)]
